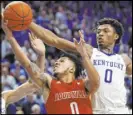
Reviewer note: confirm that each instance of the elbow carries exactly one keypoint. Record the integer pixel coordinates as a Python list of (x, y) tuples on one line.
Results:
[(129, 72), (95, 85)]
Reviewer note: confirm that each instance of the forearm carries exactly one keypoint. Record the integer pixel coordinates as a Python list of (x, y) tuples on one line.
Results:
[(20, 92), (50, 38), (93, 75), (41, 63), (18, 52)]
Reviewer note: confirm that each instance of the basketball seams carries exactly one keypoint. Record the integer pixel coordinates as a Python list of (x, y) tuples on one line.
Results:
[(15, 12), (21, 18), (17, 20), (27, 14), (16, 25), (23, 15)]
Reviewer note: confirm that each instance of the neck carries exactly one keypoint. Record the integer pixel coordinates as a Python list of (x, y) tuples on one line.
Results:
[(108, 50), (67, 78)]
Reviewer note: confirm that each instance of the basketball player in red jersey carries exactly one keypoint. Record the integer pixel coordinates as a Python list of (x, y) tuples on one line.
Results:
[(65, 93)]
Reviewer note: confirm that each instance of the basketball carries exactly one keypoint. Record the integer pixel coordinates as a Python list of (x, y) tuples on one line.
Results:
[(19, 15)]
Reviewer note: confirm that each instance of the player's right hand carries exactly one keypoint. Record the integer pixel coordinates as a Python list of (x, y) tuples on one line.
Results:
[(81, 45), (37, 44), (7, 31)]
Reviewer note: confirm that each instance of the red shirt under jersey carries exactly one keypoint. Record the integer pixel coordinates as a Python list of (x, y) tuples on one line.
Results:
[(68, 98)]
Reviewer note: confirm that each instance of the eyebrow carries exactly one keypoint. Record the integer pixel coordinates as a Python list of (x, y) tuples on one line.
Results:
[(103, 29)]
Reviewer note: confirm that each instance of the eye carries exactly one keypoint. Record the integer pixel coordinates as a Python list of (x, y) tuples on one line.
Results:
[(106, 31), (98, 31), (61, 60)]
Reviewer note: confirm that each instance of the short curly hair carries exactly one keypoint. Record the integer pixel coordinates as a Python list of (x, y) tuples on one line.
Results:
[(76, 58), (115, 24)]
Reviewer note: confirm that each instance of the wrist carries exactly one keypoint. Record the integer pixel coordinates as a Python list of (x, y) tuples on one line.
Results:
[(10, 38), (30, 26), (84, 56), (41, 55)]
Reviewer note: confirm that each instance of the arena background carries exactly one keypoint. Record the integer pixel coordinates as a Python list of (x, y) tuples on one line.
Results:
[(64, 18)]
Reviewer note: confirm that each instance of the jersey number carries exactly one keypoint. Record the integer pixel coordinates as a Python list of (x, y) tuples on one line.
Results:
[(74, 108), (108, 76)]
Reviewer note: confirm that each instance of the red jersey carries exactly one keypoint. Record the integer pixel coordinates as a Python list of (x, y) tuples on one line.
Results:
[(68, 98)]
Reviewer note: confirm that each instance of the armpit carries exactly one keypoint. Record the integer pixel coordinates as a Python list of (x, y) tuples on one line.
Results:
[(87, 85)]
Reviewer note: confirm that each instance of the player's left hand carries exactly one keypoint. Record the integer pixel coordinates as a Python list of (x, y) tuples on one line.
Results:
[(81, 46), (37, 44), (7, 31)]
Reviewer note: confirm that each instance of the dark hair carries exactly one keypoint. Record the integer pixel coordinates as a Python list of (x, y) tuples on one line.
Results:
[(130, 42), (76, 58), (115, 24)]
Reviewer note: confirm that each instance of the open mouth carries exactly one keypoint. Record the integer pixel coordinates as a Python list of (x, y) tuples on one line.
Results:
[(100, 42)]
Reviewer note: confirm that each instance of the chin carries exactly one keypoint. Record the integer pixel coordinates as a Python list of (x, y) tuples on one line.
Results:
[(102, 46)]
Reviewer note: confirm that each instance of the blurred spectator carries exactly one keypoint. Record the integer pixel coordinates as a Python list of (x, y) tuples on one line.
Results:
[(60, 15), (36, 109), (22, 79), (19, 112), (17, 70), (38, 97), (6, 48), (29, 51), (11, 109), (7, 80), (28, 103)]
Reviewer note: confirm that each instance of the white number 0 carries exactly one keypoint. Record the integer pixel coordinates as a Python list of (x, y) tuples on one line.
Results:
[(74, 108)]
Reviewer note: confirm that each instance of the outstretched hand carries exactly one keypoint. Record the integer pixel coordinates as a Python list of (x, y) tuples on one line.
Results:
[(7, 31), (37, 44), (81, 46)]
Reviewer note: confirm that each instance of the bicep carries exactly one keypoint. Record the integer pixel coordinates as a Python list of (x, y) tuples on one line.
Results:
[(128, 63), (129, 69)]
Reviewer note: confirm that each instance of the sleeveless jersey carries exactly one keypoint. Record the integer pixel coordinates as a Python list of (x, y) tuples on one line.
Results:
[(112, 92), (68, 98), (3, 106)]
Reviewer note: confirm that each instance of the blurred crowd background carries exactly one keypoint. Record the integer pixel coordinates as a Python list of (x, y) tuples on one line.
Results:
[(64, 18)]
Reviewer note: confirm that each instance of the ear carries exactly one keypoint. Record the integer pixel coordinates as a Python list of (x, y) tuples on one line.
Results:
[(72, 70), (116, 36)]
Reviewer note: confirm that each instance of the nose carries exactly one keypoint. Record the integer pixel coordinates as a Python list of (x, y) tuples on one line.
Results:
[(99, 37), (56, 63), (100, 34)]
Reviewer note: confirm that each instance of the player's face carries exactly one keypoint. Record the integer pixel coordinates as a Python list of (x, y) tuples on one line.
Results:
[(63, 65), (106, 35)]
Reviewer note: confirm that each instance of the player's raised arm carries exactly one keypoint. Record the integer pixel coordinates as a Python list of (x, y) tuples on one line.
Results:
[(39, 48), (21, 56), (15, 95), (51, 39), (93, 81)]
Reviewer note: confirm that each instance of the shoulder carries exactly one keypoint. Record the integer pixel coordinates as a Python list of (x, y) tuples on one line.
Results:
[(46, 78), (126, 59)]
